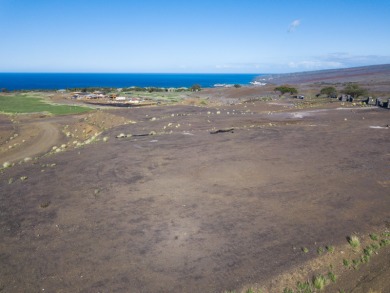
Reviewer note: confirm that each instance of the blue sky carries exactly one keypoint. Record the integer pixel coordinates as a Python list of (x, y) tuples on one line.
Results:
[(248, 36)]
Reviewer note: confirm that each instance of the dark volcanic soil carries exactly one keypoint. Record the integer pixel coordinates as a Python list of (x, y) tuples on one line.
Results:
[(188, 211)]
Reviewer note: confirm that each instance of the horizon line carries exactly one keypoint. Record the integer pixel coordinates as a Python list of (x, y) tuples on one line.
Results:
[(88, 72)]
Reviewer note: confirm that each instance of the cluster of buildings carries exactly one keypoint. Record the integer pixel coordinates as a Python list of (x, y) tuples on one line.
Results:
[(380, 102), (110, 98)]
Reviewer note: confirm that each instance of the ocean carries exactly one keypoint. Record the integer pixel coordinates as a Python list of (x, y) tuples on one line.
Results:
[(55, 81)]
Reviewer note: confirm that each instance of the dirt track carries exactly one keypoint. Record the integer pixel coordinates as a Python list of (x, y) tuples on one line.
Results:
[(46, 135), (189, 211)]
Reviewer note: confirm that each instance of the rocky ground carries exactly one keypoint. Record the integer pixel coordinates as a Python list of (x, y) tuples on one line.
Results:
[(244, 191)]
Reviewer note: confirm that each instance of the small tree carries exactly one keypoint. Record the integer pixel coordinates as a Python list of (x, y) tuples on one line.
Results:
[(286, 89), (196, 88), (329, 91), (293, 90), (237, 86), (354, 90)]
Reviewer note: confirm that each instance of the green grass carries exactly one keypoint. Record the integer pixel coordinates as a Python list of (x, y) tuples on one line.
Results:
[(330, 248), (368, 251), (21, 103), (304, 287), (354, 241), (305, 249), (374, 247), (384, 242), (346, 262), (332, 277), (319, 282), (364, 258), (356, 263), (374, 236)]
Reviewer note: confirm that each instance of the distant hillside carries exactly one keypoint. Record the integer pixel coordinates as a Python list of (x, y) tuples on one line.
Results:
[(365, 74)]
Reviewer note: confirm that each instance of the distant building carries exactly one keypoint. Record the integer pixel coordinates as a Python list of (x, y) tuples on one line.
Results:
[(383, 102), (370, 101)]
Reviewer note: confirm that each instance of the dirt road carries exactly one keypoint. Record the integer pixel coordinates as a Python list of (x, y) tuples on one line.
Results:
[(46, 135)]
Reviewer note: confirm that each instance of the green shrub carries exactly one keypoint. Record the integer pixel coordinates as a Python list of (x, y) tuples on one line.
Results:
[(319, 282)]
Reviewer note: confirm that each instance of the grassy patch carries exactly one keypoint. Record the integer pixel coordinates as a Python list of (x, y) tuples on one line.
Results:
[(332, 277), (319, 282), (374, 247), (356, 263), (368, 251), (354, 241), (305, 249), (304, 287), (384, 242), (374, 236), (330, 248), (32, 104)]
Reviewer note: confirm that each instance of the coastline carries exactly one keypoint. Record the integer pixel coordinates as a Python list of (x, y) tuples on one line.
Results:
[(55, 81)]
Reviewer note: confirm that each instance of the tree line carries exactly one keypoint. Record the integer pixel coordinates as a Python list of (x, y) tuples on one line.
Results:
[(352, 89)]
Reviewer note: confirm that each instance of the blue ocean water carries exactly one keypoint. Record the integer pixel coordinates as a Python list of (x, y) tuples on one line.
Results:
[(34, 81)]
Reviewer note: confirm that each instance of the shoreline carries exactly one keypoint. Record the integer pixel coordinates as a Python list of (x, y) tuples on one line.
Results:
[(56, 81)]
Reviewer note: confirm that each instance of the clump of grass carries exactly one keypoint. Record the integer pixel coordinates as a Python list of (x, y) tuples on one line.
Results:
[(356, 263), (7, 165), (384, 242), (320, 250), (23, 178), (304, 287), (354, 241), (364, 258), (346, 262), (368, 251), (288, 290), (330, 248), (332, 277), (305, 249), (319, 282), (386, 234), (45, 204), (250, 290), (374, 247), (374, 237)]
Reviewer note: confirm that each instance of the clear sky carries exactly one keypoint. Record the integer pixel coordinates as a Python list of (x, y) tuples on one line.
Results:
[(247, 36)]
